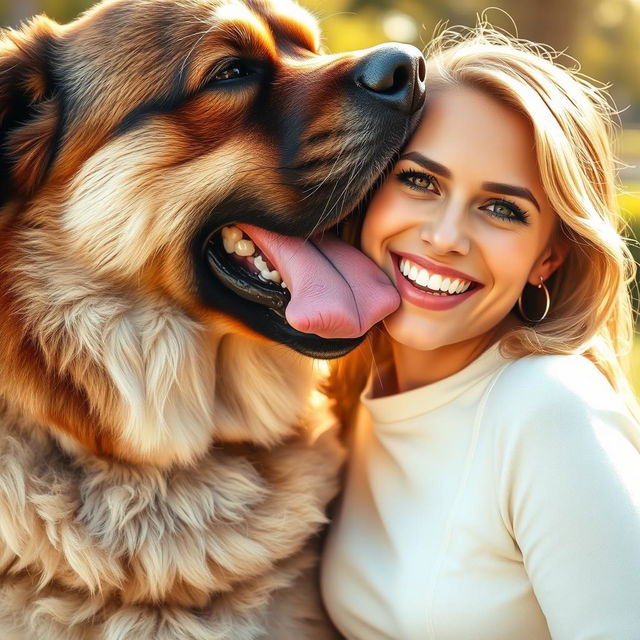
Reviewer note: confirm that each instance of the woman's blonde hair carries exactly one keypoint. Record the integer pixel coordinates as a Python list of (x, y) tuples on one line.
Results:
[(574, 127)]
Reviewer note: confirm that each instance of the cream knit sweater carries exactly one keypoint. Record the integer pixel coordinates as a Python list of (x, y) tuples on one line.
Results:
[(501, 503)]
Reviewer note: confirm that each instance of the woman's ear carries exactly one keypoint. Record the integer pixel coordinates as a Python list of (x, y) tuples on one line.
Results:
[(550, 260), (30, 108)]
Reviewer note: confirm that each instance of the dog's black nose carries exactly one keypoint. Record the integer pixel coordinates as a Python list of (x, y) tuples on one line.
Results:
[(395, 74)]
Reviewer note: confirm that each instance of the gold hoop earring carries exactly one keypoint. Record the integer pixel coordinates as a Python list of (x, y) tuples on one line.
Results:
[(547, 305)]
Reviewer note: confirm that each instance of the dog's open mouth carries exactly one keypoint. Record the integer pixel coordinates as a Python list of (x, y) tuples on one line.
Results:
[(232, 256), (248, 257), (320, 285)]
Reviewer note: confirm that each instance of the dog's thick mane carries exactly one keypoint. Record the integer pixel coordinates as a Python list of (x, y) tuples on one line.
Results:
[(105, 543), (105, 540)]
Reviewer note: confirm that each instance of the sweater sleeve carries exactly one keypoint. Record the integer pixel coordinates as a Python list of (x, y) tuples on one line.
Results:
[(568, 482)]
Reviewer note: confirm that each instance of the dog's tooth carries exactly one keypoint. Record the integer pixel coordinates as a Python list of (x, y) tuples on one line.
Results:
[(244, 248), (233, 233), (230, 235), (283, 284), (260, 263), (274, 276)]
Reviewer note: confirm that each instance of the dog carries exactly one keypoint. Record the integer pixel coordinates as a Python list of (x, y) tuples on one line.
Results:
[(170, 172)]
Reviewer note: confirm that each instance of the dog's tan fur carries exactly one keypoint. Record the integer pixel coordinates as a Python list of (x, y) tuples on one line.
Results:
[(164, 469)]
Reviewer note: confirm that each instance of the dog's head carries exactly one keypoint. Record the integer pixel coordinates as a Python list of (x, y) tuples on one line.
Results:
[(139, 143), (157, 124)]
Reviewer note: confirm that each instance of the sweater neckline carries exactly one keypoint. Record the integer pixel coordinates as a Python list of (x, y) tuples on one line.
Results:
[(416, 402)]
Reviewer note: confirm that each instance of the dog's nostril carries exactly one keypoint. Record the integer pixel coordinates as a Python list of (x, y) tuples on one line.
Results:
[(422, 70), (400, 78), (385, 72)]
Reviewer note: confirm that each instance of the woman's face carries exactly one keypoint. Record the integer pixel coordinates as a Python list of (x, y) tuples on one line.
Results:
[(463, 213)]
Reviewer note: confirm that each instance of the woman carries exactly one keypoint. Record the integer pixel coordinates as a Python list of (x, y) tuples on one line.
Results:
[(493, 490)]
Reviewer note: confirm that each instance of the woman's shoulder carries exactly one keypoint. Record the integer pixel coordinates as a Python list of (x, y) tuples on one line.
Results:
[(556, 397), (551, 379)]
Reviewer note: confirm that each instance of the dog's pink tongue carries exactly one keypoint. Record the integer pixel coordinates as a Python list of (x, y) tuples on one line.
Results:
[(336, 291)]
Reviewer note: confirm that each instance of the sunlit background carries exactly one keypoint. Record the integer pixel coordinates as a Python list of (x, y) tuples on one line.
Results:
[(604, 35)]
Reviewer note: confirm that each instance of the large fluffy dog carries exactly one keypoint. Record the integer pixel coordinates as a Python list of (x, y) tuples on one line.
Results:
[(160, 471)]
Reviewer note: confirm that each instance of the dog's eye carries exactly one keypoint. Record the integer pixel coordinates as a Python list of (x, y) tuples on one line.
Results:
[(232, 71)]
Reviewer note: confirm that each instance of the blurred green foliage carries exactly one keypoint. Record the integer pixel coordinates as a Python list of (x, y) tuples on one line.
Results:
[(603, 35)]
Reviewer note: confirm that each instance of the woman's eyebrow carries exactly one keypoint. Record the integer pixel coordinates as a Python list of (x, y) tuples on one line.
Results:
[(496, 187), (426, 163), (511, 190)]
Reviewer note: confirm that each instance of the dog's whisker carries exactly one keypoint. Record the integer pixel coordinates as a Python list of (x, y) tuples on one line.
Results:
[(322, 217), (308, 194), (202, 34), (326, 213)]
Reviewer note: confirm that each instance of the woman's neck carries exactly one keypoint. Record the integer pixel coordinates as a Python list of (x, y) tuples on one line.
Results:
[(413, 368)]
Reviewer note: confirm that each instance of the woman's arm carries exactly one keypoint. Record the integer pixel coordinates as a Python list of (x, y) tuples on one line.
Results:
[(569, 481)]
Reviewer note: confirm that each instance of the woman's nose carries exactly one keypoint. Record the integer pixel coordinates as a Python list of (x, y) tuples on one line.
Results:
[(445, 231)]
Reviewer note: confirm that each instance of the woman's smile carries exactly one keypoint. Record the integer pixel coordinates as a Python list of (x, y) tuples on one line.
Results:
[(431, 288)]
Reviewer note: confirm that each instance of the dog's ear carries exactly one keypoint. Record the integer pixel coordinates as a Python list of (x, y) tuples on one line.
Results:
[(29, 107)]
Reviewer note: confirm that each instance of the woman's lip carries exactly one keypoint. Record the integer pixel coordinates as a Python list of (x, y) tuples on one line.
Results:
[(427, 300), (433, 267)]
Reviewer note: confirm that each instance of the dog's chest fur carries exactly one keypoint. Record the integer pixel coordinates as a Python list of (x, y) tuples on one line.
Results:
[(94, 548)]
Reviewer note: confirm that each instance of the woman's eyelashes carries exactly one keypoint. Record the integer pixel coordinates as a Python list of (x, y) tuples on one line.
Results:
[(418, 181), (499, 208), (506, 210)]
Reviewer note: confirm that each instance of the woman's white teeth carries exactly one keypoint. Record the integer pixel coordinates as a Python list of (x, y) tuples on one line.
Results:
[(233, 241), (433, 281)]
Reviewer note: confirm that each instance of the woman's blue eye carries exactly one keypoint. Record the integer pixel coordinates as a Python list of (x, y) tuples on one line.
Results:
[(506, 210), (418, 181)]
